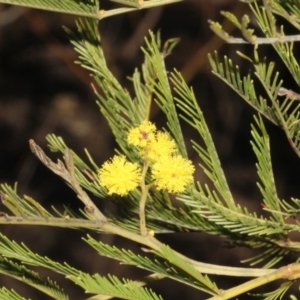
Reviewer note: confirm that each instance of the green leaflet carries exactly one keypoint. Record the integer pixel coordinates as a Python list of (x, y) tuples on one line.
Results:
[(84, 8)]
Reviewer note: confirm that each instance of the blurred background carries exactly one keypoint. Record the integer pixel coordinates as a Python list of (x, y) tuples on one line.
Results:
[(42, 91)]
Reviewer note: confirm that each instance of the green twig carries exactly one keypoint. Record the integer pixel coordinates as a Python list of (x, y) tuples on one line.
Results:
[(148, 241), (145, 190), (290, 272)]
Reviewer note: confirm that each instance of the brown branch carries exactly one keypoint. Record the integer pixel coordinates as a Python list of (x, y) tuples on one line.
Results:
[(67, 172)]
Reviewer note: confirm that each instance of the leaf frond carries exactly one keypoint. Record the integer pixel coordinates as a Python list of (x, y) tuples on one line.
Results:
[(10, 294), (187, 103), (271, 253), (114, 287), (167, 253), (261, 148), (162, 90), (115, 102), (84, 8), (26, 207), (277, 293), (284, 114), (284, 50), (243, 86), (191, 276), (31, 278)]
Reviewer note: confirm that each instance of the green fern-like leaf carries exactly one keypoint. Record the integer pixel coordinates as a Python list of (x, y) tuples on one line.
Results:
[(115, 103), (261, 148), (26, 207), (284, 50), (112, 286), (284, 114), (277, 293), (10, 294), (133, 3), (243, 86), (86, 8), (162, 90), (173, 267), (31, 278)]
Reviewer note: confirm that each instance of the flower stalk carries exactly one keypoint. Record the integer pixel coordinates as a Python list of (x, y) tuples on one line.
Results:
[(145, 190)]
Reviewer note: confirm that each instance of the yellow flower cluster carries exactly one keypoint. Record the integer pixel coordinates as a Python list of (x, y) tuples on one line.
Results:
[(169, 171), (119, 176), (153, 144), (173, 173), (141, 136)]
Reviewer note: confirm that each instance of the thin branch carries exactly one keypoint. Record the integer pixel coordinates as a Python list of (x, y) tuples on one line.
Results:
[(142, 205), (288, 93), (250, 39), (68, 174), (270, 40), (290, 272), (148, 241)]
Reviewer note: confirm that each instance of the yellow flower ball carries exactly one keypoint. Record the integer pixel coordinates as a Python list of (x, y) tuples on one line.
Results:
[(173, 173), (119, 176), (141, 136), (163, 145)]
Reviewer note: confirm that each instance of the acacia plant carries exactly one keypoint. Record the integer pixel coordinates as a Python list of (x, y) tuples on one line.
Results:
[(151, 167)]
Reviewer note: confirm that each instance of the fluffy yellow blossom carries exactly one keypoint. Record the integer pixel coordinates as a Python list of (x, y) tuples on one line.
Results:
[(142, 135), (119, 176), (161, 146), (173, 173)]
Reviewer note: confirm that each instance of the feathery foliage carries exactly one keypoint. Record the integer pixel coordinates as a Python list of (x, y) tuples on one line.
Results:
[(10, 294), (21, 273), (88, 8)]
